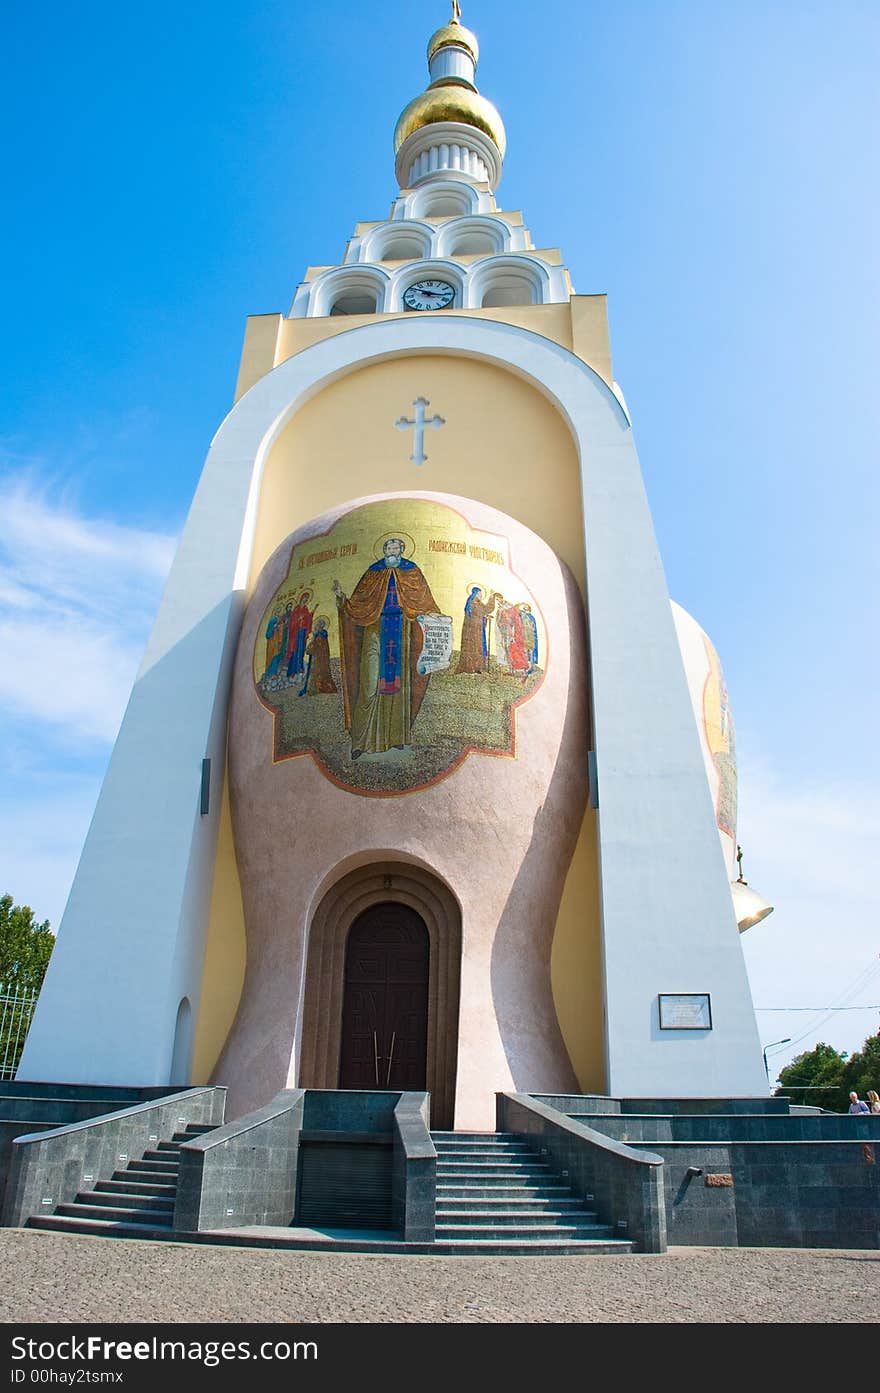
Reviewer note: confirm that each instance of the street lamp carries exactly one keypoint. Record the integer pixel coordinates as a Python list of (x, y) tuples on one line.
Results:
[(773, 1043)]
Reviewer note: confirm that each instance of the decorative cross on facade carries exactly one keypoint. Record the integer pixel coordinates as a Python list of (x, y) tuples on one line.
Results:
[(418, 455)]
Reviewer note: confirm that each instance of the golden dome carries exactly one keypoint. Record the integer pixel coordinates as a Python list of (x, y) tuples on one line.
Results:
[(454, 33), (451, 102)]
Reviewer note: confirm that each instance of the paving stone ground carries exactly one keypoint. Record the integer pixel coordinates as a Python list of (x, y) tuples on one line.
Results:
[(73, 1278)]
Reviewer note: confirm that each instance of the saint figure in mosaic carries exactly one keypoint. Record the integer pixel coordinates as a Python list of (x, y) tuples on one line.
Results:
[(512, 640), (380, 642), (318, 680), (474, 656)]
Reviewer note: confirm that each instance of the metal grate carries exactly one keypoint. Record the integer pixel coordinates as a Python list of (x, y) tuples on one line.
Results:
[(344, 1186), (16, 1010)]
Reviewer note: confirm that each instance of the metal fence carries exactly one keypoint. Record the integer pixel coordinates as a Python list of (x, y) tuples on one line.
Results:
[(16, 1009)]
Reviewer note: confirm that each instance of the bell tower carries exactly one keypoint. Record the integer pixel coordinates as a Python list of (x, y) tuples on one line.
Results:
[(417, 731)]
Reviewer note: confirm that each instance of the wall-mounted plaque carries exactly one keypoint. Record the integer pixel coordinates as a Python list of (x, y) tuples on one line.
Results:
[(685, 1011)]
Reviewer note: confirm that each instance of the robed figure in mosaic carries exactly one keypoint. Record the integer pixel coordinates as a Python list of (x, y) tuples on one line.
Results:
[(276, 639), (318, 680), (380, 641), (299, 629), (515, 645), (474, 655)]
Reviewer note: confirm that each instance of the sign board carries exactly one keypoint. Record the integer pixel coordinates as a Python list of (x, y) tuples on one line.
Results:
[(685, 1011)]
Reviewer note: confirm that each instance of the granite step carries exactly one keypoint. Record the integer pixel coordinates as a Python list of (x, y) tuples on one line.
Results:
[(113, 1200), (513, 1203), (495, 1153), (527, 1220), (474, 1245), (441, 1136), (137, 1202), (504, 1247), (476, 1143), (522, 1234), (485, 1187), (159, 1218), (489, 1166), (122, 1184), (499, 1193), (146, 1163), (108, 1228)]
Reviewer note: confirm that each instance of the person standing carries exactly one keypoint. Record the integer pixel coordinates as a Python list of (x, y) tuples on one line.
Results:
[(873, 1100), (856, 1105)]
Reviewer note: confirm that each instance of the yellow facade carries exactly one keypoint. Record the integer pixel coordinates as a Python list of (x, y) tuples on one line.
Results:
[(503, 444), (581, 326), (575, 964), (225, 954)]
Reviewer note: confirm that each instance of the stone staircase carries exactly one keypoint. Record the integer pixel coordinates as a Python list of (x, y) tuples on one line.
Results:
[(496, 1194), (137, 1203)]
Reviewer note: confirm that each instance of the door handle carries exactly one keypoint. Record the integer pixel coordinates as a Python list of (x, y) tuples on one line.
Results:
[(390, 1057), (376, 1057)]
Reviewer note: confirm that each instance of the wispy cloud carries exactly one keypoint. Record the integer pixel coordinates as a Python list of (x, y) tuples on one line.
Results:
[(38, 530), (77, 597)]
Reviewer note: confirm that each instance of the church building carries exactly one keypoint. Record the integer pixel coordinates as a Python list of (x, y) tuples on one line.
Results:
[(424, 782)]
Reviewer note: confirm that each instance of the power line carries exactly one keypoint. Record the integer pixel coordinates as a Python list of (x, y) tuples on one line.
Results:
[(866, 975)]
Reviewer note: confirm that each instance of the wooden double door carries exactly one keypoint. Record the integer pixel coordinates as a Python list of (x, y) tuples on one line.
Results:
[(385, 1001)]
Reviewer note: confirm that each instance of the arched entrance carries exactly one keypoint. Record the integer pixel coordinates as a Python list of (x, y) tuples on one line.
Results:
[(371, 938), (385, 1003), (182, 1047)]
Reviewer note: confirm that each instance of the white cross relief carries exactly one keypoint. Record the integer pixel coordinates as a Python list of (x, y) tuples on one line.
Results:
[(418, 455)]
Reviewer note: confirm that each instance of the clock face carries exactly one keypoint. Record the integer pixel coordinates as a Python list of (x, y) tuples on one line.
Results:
[(429, 295)]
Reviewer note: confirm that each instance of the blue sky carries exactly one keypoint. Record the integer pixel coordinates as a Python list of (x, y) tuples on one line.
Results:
[(711, 167)]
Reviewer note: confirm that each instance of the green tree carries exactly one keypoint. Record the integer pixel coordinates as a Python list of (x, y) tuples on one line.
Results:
[(863, 1069), (25, 947), (25, 950), (816, 1077)]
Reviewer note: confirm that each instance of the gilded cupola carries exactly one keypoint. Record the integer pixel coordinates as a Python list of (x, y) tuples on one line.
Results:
[(450, 129)]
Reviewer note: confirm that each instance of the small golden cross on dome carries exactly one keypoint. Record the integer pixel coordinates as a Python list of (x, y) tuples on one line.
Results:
[(456, 11)]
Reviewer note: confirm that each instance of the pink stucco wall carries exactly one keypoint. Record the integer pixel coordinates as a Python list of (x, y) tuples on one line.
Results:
[(500, 832)]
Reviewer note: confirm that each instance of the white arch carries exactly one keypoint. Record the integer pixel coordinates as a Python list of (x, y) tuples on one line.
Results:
[(181, 1052), (667, 918), (525, 276), (495, 231), (451, 197), (434, 269), (379, 244), (332, 285)]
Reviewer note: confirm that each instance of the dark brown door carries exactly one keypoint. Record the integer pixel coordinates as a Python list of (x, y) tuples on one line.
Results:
[(385, 1004)]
